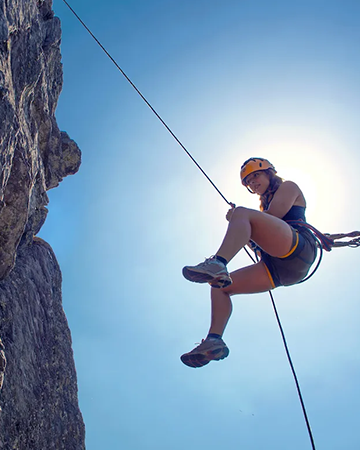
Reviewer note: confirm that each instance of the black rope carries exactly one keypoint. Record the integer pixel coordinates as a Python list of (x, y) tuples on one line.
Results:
[(148, 104), (212, 183), (250, 255), (293, 372), (317, 264), (289, 358)]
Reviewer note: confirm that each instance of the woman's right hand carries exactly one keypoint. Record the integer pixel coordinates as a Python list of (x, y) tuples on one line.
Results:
[(230, 213)]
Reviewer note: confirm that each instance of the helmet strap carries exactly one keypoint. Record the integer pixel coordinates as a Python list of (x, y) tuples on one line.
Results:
[(251, 192)]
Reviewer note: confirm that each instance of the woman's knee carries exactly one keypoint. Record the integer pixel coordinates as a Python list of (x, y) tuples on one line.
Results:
[(240, 212), (219, 292)]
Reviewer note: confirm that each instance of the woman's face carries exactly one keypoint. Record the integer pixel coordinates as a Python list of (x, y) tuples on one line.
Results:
[(258, 182)]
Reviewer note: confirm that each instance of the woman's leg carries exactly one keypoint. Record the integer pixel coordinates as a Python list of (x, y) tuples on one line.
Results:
[(272, 234), (248, 280)]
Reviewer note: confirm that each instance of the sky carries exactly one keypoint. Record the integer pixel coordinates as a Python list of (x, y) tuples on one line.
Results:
[(232, 79)]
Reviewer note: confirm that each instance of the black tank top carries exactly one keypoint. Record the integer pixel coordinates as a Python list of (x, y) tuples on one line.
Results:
[(298, 213), (295, 213)]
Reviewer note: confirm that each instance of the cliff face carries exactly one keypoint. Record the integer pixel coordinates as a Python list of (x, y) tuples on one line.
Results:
[(39, 394), (39, 398)]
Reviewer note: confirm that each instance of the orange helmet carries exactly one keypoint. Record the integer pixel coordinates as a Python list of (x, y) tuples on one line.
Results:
[(253, 165)]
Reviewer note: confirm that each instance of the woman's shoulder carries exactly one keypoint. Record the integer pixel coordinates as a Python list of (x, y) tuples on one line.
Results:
[(288, 185), (291, 187)]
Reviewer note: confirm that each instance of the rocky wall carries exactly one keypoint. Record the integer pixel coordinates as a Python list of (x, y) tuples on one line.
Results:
[(37, 372)]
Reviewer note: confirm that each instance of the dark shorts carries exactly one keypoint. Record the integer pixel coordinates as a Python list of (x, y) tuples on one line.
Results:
[(293, 267)]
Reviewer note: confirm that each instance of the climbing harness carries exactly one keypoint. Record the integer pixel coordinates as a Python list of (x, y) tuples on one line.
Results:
[(325, 242), (352, 243)]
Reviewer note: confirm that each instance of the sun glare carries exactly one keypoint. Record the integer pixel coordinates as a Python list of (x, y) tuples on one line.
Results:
[(305, 156)]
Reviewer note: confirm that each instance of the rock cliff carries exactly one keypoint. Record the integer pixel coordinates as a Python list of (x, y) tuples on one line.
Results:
[(37, 373)]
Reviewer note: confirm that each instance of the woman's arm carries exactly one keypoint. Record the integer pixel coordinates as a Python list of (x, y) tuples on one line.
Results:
[(285, 197)]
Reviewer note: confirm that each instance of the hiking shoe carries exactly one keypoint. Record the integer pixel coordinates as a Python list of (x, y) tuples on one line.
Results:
[(210, 349), (210, 271)]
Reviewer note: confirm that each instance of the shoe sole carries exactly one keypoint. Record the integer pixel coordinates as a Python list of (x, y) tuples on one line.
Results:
[(220, 281), (200, 359)]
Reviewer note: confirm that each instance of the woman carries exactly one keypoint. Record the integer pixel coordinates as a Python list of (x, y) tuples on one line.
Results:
[(287, 252)]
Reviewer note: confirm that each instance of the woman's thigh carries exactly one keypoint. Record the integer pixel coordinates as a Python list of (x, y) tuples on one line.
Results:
[(249, 280), (272, 234)]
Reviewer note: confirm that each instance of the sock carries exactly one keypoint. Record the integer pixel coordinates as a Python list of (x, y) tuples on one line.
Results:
[(221, 259), (214, 336)]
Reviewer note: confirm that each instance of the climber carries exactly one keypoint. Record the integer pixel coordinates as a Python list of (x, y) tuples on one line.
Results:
[(286, 252)]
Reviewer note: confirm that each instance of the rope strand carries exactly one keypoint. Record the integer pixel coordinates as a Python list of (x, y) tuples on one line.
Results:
[(289, 359), (148, 104), (293, 372), (351, 243)]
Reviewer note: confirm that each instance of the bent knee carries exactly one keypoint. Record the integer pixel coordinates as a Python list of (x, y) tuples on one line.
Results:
[(226, 290), (241, 211)]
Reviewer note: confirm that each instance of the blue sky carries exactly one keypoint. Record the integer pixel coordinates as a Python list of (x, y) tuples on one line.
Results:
[(233, 79)]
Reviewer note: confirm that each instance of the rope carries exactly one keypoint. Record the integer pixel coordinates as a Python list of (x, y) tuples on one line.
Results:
[(293, 372), (317, 264), (289, 359), (352, 243), (326, 242), (148, 104)]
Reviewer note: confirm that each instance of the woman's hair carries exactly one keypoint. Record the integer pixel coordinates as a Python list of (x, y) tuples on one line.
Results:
[(275, 182)]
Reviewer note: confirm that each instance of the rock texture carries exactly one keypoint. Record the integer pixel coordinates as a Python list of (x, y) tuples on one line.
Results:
[(39, 401), (32, 156), (39, 395)]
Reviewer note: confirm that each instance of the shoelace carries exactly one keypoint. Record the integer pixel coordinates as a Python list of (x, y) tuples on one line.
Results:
[(211, 258)]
